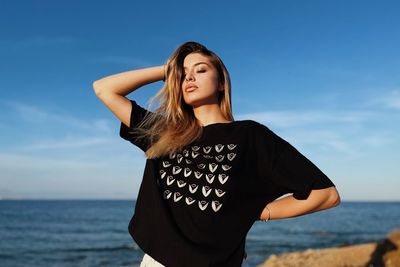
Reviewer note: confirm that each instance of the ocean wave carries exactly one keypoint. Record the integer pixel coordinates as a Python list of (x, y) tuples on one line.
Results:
[(7, 257), (102, 249)]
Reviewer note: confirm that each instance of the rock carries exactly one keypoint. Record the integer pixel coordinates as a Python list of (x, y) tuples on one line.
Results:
[(392, 256), (375, 254)]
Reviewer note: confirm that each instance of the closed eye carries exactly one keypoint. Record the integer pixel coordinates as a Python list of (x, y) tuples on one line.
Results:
[(197, 71)]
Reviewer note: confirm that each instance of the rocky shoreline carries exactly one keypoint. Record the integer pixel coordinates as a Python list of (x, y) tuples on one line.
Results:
[(385, 253)]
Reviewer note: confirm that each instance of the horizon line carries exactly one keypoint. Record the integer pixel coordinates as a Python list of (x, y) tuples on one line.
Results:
[(128, 199)]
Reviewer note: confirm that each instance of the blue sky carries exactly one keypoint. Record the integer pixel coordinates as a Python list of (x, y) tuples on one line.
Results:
[(324, 75)]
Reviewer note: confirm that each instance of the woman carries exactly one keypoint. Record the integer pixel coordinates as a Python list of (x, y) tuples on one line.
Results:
[(207, 177)]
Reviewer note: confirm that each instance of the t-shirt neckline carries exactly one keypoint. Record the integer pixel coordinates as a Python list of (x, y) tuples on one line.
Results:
[(217, 124)]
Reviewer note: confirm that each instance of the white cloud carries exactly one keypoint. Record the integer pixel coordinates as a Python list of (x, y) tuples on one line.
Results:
[(379, 140), (288, 119), (67, 143), (67, 156), (44, 176), (390, 100), (55, 131), (344, 133), (330, 141), (38, 115), (91, 153)]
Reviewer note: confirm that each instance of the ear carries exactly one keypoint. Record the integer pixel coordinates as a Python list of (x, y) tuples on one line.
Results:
[(221, 87)]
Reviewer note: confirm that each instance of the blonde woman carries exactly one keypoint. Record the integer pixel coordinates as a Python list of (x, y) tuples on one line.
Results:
[(207, 177)]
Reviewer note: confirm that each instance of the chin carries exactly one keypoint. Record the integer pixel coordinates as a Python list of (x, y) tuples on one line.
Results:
[(198, 101)]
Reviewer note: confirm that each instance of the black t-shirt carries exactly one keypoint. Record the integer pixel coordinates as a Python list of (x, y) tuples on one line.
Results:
[(195, 207)]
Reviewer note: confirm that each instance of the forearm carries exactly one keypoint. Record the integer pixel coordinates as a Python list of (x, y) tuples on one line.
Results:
[(290, 207), (126, 82)]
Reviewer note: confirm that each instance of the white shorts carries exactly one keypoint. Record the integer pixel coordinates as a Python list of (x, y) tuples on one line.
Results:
[(148, 261)]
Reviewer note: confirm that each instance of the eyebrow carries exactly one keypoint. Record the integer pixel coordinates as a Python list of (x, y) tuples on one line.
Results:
[(198, 63)]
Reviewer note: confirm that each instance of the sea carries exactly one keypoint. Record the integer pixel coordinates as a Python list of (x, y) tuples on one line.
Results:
[(95, 232)]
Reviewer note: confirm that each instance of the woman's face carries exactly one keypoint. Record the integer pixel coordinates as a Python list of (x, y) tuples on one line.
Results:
[(202, 75)]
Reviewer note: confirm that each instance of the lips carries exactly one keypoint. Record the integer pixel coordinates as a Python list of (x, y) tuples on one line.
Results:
[(190, 87)]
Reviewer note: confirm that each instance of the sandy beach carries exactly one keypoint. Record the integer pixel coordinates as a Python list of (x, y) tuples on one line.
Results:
[(385, 252)]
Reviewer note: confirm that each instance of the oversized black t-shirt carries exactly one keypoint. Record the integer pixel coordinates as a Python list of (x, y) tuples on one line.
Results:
[(195, 207)]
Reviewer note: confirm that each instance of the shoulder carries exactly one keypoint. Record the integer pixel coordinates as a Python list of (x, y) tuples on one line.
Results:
[(255, 126), (255, 131), (261, 134)]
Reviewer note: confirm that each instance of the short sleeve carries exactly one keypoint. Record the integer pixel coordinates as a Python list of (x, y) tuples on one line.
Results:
[(285, 166), (129, 133)]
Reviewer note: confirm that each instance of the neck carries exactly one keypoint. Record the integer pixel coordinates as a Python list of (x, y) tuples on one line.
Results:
[(208, 114)]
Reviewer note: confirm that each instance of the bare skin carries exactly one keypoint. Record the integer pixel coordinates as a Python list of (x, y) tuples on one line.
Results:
[(206, 109), (112, 91), (200, 72), (286, 207)]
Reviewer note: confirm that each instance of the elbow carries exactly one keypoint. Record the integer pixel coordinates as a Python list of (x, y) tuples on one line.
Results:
[(96, 87), (334, 198)]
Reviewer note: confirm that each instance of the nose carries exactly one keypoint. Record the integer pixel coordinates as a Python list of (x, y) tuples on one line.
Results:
[(189, 77)]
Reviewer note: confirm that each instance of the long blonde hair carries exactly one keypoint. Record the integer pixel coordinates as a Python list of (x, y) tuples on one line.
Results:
[(172, 125)]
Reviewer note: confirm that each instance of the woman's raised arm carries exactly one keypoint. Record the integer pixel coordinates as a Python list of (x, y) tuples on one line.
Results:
[(112, 90)]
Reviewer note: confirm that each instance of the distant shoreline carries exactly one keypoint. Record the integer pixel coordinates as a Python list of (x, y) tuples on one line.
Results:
[(126, 199)]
